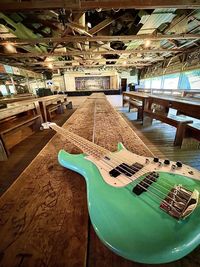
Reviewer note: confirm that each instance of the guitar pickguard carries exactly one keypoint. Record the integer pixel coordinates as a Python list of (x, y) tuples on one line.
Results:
[(148, 164)]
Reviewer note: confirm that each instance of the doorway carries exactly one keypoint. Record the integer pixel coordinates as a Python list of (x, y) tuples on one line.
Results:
[(123, 84)]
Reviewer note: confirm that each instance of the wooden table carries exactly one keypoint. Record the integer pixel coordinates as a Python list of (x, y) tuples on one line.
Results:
[(138, 96), (192, 93), (43, 215), (16, 116), (17, 98), (48, 100), (190, 107), (19, 107), (162, 91), (157, 107)]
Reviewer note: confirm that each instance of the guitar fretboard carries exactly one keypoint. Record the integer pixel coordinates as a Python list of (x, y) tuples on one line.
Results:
[(85, 145)]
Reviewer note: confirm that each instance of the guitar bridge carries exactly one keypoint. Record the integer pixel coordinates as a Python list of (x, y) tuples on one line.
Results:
[(180, 202)]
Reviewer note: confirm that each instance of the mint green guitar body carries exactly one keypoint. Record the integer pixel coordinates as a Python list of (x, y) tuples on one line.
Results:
[(133, 226)]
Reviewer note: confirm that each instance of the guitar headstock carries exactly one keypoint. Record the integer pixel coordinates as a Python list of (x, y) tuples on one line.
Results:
[(47, 125)]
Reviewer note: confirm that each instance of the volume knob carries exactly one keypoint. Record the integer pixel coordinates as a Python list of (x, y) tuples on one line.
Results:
[(179, 164), (166, 162), (156, 159)]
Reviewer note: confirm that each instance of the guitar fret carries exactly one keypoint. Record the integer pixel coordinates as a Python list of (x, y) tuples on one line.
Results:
[(85, 145)]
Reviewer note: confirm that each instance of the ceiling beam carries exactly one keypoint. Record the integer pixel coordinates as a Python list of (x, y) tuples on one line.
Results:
[(85, 61), (88, 5), (82, 53), (103, 24), (78, 28), (123, 38), (96, 66)]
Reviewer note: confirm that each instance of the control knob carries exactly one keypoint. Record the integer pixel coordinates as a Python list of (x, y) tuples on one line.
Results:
[(156, 159), (179, 164), (166, 162)]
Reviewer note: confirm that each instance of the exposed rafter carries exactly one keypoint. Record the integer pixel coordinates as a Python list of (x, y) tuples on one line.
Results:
[(84, 53), (125, 38), (88, 5), (101, 25), (110, 33), (86, 61), (101, 65)]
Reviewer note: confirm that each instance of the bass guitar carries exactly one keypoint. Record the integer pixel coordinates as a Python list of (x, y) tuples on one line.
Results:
[(143, 209)]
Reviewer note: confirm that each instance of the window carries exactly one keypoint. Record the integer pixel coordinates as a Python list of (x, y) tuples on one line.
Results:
[(171, 81), (3, 89), (156, 83), (147, 83), (12, 90), (194, 79), (184, 80)]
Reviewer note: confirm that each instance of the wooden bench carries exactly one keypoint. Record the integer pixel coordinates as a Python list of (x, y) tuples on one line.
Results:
[(193, 130), (49, 104), (16, 123), (133, 103), (13, 125), (178, 121), (135, 100), (188, 111), (58, 108)]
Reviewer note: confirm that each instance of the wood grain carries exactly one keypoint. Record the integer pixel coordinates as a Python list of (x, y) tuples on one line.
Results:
[(43, 215), (17, 108)]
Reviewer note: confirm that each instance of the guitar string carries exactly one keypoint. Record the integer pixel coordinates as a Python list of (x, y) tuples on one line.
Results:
[(151, 176), (145, 189), (93, 136), (151, 192), (107, 151), (141, 171), (145, 170), (82, 144), (149, 184), (93, 141)]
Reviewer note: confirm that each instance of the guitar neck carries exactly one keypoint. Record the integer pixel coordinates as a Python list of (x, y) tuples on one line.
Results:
[(86, 146)]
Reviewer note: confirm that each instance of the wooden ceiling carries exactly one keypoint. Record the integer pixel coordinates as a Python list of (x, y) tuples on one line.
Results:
[(51, 35), (90, 5)]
